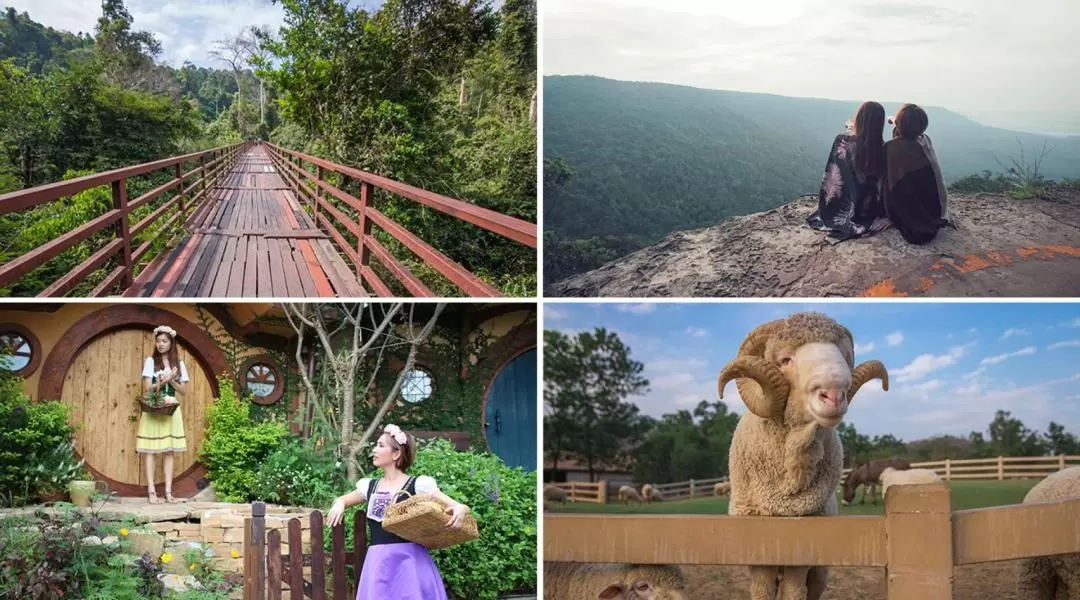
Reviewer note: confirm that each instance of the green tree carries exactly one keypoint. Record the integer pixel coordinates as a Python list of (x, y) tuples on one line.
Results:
[(1059, 441), (1009, 437), (586, 379)]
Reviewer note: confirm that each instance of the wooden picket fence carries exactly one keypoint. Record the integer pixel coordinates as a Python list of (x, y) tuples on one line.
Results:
[(266, 568), (919, 539)]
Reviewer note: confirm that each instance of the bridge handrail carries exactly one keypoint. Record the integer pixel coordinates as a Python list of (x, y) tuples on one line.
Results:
[(118, 217)]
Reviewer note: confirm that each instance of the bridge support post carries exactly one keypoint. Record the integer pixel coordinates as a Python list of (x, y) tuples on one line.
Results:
[(180, 186), (362, 254), (120, 202), (918, 528)]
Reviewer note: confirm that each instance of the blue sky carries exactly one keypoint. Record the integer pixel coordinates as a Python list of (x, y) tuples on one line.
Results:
[(186, 29), (951, 365)]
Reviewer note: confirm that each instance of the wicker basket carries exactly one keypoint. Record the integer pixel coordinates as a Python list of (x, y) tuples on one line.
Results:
[(164, 409), (422, 519)]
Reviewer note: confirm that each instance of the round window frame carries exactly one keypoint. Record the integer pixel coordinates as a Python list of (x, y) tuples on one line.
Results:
[(35, 348), (279, 380), (431, 379)]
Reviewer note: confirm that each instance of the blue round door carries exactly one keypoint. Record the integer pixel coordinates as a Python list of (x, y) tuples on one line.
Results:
[(510, 417)]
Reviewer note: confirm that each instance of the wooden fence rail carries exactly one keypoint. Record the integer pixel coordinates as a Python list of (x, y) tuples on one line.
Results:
[(584, 491), (999, 468), (333, 220), (267, 566), (918, 540), (212, 164), (688, 489)]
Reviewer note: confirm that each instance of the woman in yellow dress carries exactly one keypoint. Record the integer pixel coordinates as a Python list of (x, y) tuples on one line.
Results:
[(161, 434)]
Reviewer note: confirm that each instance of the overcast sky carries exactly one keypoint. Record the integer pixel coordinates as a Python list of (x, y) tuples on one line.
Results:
[(951, 366), (186, 29), (1007, 63)]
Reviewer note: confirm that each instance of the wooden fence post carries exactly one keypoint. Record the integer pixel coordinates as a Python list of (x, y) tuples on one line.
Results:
[(691, 488), (948, 470), (1001, 468), (120, 202), (602, 492), (365, 229), (1061, 462), (180, 184), (254, 561), (918, 529)]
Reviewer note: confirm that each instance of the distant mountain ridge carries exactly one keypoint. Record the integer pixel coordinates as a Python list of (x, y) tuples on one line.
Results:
[(648, 159)]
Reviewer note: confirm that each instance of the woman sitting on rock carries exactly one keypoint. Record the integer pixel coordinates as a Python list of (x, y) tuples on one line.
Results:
[(913, 190), (848, 201)]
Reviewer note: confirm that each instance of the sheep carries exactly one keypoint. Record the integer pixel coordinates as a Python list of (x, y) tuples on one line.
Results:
[(555, 493), (581, 581), (627, 493), (869, 474), (797, 378), (891, 476), (722, 488), (650, 493), (1051, 577)]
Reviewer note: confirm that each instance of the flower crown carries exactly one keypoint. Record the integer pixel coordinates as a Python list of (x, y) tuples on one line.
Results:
[(165, 329), (395, 432)]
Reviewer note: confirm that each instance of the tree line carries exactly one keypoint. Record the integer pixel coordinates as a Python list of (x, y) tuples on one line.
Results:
[(589, 376)]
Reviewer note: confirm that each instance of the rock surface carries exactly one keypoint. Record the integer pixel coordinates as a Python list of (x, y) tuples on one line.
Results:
[(1000, 247)]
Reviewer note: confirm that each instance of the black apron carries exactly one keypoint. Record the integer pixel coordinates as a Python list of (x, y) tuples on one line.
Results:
[(378, 534)]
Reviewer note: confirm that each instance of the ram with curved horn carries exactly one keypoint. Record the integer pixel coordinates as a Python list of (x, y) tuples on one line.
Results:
[(797, 377)]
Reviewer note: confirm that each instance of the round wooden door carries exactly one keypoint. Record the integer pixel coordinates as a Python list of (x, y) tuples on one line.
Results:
[(101, 385), (510, 414)]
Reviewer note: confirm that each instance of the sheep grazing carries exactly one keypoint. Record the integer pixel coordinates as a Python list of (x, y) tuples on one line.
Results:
[(628, 494), (580, 581), (891, 476), (651, 493), (554, 493), (722, 488), (1051, 577), (869, 474), (797, 377)]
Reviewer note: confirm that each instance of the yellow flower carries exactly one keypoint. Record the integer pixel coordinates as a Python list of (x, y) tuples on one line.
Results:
[(192, 567), (236, 554), (165, 558), (123, 532)]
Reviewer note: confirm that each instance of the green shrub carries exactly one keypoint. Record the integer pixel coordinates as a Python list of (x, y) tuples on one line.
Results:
[(503, 500), (235, 447), (297, 475), (32, 435)]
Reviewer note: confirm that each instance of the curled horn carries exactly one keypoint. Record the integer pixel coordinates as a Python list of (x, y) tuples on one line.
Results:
[(761, 385), (871, 369)]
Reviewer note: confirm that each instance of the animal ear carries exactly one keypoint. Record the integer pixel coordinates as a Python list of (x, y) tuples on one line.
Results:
[(612, 591)]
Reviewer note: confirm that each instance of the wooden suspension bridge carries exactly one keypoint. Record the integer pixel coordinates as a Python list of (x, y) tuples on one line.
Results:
[(249, 220)]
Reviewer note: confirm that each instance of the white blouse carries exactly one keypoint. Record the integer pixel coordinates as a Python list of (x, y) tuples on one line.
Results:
[(376, 508), (148, 370)]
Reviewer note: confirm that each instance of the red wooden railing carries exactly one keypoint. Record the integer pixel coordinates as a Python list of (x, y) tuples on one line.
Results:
[(330, 218), (212, 164)]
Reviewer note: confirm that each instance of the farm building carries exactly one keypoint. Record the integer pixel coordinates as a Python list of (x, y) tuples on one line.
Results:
[(474, 382)]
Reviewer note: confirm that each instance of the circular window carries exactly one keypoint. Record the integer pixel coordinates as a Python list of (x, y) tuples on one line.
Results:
[(417, 386), (262, 380), (20, 351)]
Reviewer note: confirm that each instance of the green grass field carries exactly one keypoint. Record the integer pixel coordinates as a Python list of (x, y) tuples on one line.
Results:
[(965, 495)]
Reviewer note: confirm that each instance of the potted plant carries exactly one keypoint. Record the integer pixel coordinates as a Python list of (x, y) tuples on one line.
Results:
[(50, 476)]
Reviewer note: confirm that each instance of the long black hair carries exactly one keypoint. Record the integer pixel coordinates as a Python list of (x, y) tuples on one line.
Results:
[(869, 145)]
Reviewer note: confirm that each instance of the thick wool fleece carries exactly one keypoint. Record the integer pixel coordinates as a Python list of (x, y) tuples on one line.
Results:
[(779, 470), (1052, 577), (579, 581)]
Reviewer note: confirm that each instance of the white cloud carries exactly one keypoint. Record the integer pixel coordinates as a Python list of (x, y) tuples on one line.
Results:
[(928, 386), (1013, 331), (553, 314), (860, 349), (895, 339), (993, 360), (974, 373), (696, 332), (924, 364), (971, 389), (1065, 344), (643, 308), (674, 363)]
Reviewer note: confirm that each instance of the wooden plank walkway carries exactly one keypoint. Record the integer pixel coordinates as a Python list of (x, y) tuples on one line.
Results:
[(250, 238)]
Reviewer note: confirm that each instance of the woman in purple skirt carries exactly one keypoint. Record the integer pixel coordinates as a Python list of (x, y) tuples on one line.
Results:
[(395, 568)]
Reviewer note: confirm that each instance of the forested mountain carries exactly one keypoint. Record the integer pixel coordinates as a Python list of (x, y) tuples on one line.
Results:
[(626, 163), (435, 93)]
